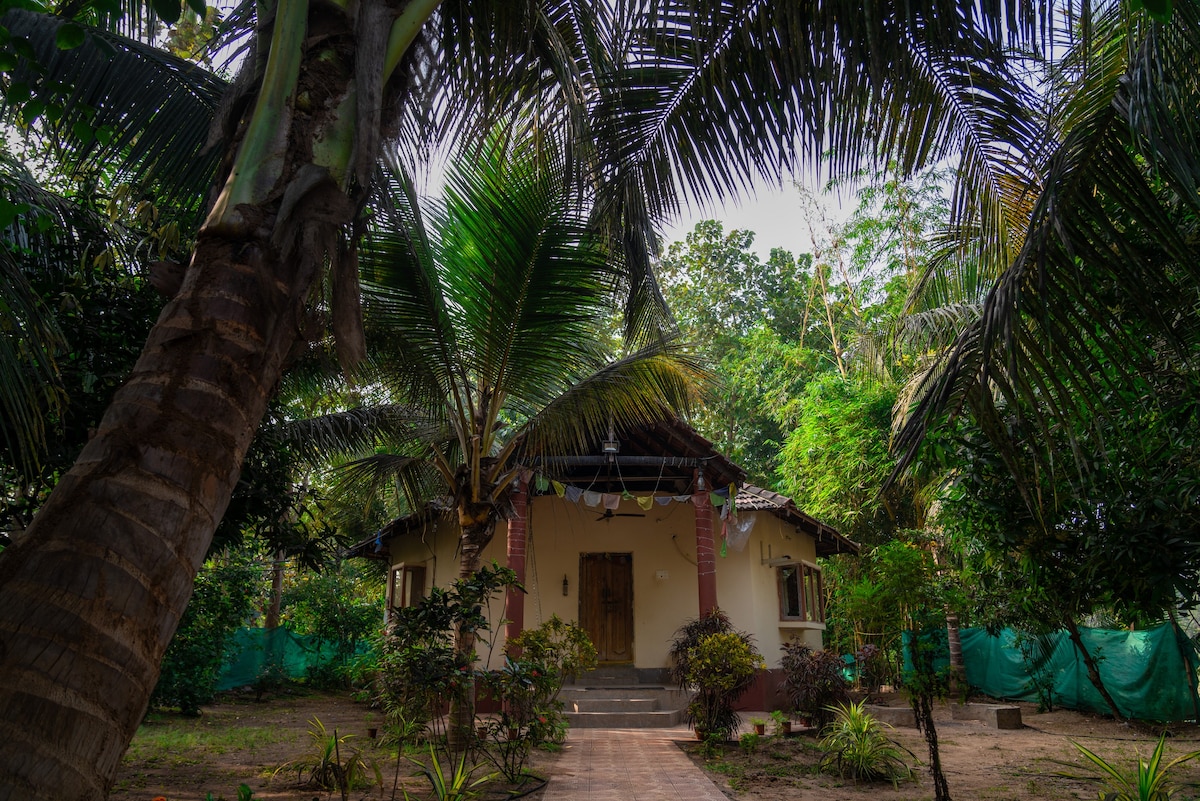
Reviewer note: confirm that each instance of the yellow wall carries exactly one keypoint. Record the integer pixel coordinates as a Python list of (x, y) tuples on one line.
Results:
[(665, 592)]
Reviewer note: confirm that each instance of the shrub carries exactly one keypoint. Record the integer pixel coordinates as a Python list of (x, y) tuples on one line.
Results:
[(855, 746), (223, 598), (813, 682), (720, 666)]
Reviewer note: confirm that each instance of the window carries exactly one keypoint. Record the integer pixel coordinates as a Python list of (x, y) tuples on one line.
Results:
[(407, 586), (801, 593)]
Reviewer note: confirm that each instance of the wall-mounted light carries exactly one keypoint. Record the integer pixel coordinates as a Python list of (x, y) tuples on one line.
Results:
[(566, 585)]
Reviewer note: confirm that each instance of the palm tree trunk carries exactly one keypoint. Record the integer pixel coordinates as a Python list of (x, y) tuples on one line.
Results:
[(958, 671), (461, 718), (91, 595)]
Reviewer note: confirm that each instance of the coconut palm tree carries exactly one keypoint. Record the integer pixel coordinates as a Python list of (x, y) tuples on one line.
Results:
[(699, 95), (489, 314)]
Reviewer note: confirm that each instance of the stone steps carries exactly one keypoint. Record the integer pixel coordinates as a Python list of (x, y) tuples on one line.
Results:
[(611, 697)]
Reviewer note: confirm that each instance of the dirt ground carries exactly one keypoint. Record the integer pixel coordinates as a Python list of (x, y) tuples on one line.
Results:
[(243, 741), (979, 763)]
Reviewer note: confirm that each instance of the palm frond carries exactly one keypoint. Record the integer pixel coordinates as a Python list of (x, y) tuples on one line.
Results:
[(119, 104), (30, 387), (342, 435), (656, 383), (1107, 278)]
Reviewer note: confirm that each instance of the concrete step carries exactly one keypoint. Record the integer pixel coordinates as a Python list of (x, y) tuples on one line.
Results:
[(614, 705), (609, 676), (663, 719)]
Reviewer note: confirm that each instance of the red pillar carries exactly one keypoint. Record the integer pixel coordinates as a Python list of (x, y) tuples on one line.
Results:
[(706, 552), (514, 603)]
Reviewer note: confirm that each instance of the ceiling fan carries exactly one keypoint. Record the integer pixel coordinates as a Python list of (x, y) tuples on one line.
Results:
[(610, 514)]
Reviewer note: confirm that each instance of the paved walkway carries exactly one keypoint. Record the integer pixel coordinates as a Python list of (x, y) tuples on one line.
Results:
[(625, 764)]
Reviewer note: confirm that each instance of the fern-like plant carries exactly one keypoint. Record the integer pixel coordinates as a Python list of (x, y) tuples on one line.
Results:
[(1149, 781), (855, 745), (333, 763)]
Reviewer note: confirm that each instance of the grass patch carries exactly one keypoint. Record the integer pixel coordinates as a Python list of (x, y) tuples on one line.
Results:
[(158, 743)]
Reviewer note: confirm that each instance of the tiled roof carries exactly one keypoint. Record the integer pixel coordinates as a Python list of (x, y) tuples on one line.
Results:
[(829, 540)]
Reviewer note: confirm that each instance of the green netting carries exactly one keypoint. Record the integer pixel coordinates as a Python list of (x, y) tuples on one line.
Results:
[(1151, 674), (252, 649)]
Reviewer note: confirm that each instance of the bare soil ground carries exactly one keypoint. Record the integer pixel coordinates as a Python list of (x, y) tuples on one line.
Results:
[(980, 763), (240, 741)]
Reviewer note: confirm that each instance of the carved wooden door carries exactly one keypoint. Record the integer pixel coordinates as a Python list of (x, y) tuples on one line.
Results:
[(606, 604)]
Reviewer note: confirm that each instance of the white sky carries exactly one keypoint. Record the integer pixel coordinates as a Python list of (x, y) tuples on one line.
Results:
[(775, 215)]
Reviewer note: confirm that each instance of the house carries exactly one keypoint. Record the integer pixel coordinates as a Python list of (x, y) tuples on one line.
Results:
[(631, 542)]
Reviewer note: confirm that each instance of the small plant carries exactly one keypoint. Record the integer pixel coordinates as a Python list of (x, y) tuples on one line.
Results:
[(749, 742), (813, 682), (333, 763), (783, 724), (457, 786), (1149, 781), (710, 746), (855, 746), (760, 725)]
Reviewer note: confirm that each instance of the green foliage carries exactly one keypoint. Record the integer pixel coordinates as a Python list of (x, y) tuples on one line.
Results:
[(749, 742), (459, 785), (224, 595), (813, 681), (419, 667), (855, 745), (836, 459), (339, 605), (1149, 781), (719, 663), (333, 763)]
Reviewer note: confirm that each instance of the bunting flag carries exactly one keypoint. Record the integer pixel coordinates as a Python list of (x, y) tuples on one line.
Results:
[(734, 536)]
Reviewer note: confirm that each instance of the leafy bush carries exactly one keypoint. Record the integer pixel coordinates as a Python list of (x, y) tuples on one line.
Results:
[(855, 746), (224, 595), (687, 637), (720, 664), (813, 682), (339, 604)]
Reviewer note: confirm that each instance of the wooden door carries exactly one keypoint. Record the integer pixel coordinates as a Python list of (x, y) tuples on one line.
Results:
[(606, 603)]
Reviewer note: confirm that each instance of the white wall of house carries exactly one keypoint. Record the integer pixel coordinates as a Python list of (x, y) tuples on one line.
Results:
[(663, 548)]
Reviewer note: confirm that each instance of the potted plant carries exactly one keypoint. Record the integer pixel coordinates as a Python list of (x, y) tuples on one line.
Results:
[(783, 724), (760, 726)]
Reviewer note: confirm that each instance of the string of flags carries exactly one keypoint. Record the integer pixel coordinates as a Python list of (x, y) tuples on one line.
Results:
[(734, 532)]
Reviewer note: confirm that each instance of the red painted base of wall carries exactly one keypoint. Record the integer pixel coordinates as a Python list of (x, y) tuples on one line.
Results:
[(765, 693)]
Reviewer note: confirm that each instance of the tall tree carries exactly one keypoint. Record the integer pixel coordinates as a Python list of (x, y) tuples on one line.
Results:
[(712, 92), (488, 330)]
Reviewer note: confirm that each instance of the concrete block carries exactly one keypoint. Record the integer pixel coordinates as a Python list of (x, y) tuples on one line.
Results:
[(996, 716), (898, 716)]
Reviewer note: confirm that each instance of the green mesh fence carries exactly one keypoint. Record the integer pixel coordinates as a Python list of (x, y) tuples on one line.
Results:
[(1150, 674), (253, 649)]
